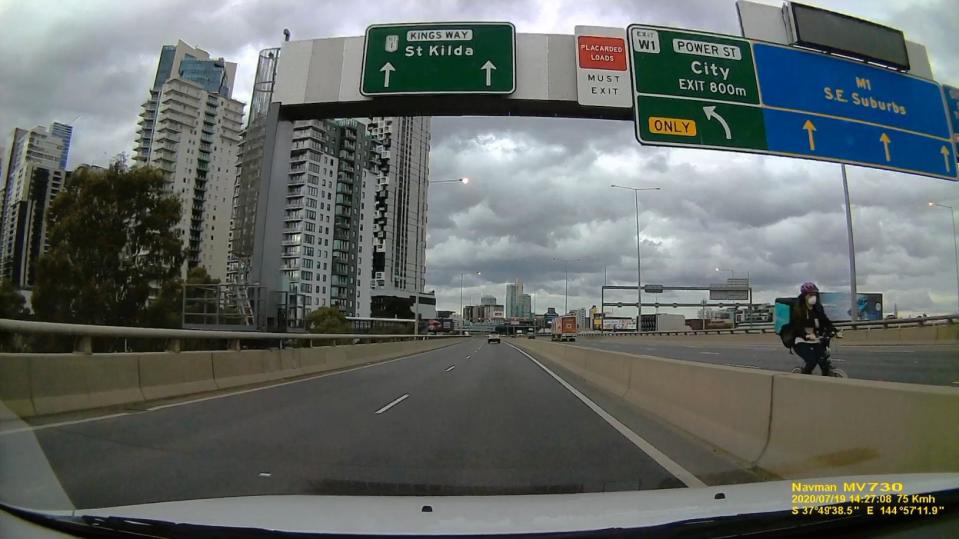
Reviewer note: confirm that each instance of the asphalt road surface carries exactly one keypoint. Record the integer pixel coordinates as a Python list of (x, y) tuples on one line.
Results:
[(917, 364), (471, 418)]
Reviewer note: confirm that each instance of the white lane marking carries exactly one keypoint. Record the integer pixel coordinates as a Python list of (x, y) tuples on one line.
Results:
[(710, 353), (394, 403), (63, 423), (467, 357), (836, 359), (202, 399), (451, 367), (265, 474), (669, 464)]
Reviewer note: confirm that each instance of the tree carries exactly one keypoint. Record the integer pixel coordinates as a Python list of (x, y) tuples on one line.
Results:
[(113, 246), (11, 302), (327, 320)]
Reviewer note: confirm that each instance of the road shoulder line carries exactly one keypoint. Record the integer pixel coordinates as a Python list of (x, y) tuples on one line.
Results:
[(661, 458)]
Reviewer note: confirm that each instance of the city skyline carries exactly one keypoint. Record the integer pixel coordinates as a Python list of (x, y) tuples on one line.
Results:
[(792, 202)]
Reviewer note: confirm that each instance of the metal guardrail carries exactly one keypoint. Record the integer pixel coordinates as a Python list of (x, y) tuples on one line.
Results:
[(850, 326), (85, 333)]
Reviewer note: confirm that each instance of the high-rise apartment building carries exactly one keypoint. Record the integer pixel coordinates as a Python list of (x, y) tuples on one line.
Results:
[(33, 174), (378, 204), (399, 259), (190, 129), (514, 301), (525, 306), (327, 238), (488, 300)]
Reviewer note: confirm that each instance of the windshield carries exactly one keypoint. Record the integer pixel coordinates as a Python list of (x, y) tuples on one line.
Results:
[(662, 251)]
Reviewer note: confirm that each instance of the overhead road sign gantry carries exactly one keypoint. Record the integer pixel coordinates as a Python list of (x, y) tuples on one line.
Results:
[(439, 58), (702, 90)]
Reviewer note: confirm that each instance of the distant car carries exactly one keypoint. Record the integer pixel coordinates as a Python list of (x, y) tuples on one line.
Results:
[(493, 337), (530, 335)]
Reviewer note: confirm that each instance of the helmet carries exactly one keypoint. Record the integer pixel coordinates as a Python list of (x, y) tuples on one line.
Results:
[(808, 288)]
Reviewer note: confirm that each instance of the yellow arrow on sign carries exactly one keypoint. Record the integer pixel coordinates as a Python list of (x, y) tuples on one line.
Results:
[(945, 156), (810, 128), (884, 138)]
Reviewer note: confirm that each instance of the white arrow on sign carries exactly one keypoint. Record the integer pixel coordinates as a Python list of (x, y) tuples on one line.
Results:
[(945, 157), (488, 67), (711, 113), (387, 69)]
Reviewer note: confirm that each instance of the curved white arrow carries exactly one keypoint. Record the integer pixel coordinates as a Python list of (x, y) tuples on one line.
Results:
[(711, 113)]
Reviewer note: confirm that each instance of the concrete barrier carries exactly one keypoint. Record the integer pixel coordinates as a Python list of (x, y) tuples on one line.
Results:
[(164, 375), (232, 369), (823, 426), (77, 382), (42, 384), (789, 425), (15, 385)]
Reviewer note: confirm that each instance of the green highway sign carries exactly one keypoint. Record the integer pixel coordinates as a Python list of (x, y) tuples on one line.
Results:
[(693, 122), (694, 89), (439, 58)]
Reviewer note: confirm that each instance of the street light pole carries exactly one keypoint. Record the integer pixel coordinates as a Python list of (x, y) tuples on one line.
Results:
[(639, 265), (955, 242), (416, 256), (566, 271), (461, 290), (853, 295)]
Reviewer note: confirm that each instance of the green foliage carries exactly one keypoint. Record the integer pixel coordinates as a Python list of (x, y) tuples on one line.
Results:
[(11, 302), (327, 320), (113, 244)]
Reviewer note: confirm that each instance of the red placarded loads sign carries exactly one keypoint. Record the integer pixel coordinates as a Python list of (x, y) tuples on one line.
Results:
[(602, 67), (602, 52)]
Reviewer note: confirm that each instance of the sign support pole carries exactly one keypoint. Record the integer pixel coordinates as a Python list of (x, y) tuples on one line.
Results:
[(639, 286), (853, 304)]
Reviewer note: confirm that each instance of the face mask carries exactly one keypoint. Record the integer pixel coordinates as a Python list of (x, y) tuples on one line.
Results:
[(811, 300)]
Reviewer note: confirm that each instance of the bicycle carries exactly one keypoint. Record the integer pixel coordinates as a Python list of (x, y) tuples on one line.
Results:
[(833, 371)]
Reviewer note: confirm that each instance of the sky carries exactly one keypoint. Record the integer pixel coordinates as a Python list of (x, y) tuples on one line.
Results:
[(540, 187)]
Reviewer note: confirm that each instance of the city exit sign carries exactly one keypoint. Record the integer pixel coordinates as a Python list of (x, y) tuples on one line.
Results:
[(439, 58)]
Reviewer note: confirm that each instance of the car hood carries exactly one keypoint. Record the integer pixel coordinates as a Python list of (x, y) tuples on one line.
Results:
[(458, 515)]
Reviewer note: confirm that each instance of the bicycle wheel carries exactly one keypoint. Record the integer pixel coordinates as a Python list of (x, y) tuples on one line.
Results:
[(838, 373)]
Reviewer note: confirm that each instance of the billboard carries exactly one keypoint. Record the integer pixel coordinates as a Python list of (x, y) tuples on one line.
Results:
[(729, 294), (836, 305), (619, 324)]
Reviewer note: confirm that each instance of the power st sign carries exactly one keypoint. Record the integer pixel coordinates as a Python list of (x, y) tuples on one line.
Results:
[(711, 91), (439, 58), (694, 88)]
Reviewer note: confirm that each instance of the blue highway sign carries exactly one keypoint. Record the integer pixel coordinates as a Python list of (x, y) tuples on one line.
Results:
[(951, 94), (803, 135), (810, 82), (830, 108), (811, 105)]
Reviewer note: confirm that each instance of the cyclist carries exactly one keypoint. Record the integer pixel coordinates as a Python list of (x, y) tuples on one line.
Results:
[(808, 324)]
